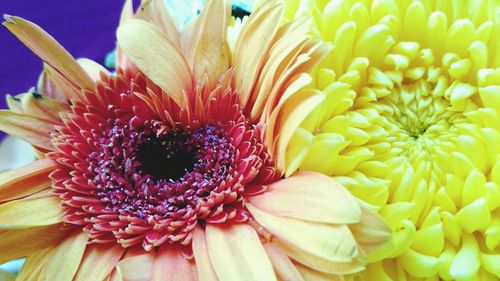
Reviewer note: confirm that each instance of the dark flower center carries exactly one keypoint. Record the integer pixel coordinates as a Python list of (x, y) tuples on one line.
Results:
[(155, 169), (166, 156)]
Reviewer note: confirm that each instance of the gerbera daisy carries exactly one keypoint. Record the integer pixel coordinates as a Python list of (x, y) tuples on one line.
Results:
[(410, 123), (171, 169)]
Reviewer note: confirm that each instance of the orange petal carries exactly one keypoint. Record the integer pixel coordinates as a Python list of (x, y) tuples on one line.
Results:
[(323, 265), (121, 61), (154, 55), (33, 267), (309, 196), (296, 84), (155, 11), (200, 251), (255, 39), (14, 104), (135, 268), (92, 68), (171, 265), (39, 106), (305, 59), (71, 252), (69, 90), (26, 180), (293, 53), (372, 232), (27, 127), (47, 88), (288, 119), (49, 50), (281, 53), (98, 261), (30, 212), (285, 269), (236, 254), (325, 247), (28, 241), (208, 53)]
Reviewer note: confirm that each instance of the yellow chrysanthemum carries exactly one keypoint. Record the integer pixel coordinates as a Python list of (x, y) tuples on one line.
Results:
[(411, 124), (171, 169)]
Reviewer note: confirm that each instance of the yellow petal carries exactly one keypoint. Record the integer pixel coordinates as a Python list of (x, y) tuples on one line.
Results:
[(71, 252), (492, 234), (403, 238), (309, 196), (49, 50), (311, 274), (431, 230), (26, 180), (467, 261), (33, 268), (98, 261), (372, 232), (255, 39), (200, 251), (414, 20), (474, 216), (30, 212), (283, 266), (445, 262), (490, 96), (92, 68), (28, 128), (28, 241), (136, 268), (490, 263), (155, 11), (208, 53), (237, 254), (170, 265), (298, 147), (419, 265), (460, 36), (154, 55), (314, 244), (378, 272)]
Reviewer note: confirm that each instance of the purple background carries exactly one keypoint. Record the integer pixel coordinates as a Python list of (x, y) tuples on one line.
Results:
[(84, 28)]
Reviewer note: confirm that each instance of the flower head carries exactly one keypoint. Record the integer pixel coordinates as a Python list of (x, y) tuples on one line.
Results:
[(171, 169), (410, 124)]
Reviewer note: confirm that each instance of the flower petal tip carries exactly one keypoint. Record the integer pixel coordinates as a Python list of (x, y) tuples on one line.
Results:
[(8, 19)]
